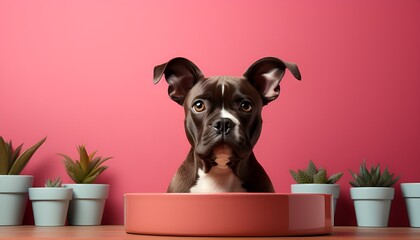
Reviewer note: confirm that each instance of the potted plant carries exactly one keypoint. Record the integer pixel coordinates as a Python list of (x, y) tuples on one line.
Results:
[(14, 187), (314, 180), (87, 205), (372, 193), (50, 203), (411, 194)]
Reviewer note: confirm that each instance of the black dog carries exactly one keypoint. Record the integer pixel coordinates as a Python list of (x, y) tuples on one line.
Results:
[(223, 123)]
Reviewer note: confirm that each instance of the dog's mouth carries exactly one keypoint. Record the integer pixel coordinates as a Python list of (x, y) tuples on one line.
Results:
[(222, 154)]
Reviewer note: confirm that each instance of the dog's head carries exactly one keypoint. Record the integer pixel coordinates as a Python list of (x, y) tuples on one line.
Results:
[(223, 113)]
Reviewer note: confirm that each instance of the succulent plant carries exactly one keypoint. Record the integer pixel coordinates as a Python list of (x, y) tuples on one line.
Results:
[(11, 161), (87, 169), (372, 178), (314, 175), (56, 183)]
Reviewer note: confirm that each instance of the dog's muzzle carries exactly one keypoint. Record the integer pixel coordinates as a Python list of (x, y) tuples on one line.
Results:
[(223, 126)]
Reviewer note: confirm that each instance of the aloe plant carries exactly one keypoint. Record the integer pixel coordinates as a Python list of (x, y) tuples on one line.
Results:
[(87, 169), (11, 161), (372, 178), (314, 175), (56, 183)]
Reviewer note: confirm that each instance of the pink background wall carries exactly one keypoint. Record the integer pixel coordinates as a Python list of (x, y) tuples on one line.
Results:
[(81, 73)]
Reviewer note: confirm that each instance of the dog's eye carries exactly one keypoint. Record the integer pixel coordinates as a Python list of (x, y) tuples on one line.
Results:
[(246, 107), (199, 106)]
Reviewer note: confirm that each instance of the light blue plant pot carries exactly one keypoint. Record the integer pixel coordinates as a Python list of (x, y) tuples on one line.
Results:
[(88, 203), (13, 198), (372, 205), (411, 193), (50, 205)]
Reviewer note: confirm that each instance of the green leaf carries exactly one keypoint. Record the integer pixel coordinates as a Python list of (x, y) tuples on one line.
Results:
[(311, 170), (53, 183), (303, 177), (84, 158), (14, 153), (354, 183), (365, 177), (363, 170), (388, 179), (362, 181), (294, 175), (73, 169), (96, 162), (368, 179), (92, 155), (321, 176), (334, 178), (72, 176), (4, 157), (93, 175), (75, 172), (394, 181), (23, 159), (376, 175)]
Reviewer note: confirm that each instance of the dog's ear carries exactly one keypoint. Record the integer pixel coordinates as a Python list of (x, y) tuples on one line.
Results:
[(265, 75), (181, 75)]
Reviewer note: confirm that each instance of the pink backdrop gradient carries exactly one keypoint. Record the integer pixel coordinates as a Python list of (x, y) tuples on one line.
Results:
[(80, 72)]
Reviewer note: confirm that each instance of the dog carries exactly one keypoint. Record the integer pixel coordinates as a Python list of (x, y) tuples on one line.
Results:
[(222, 123)]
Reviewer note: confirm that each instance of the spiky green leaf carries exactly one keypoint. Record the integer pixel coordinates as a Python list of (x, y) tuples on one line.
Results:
[(388, 179), (363, 171), (72, 168), (23, 159), (92, 155), (84, 158), (320, 177), (376, 175), (53, 183), (393, 181), (96, 162), (358, 180), (4, 157), (14, 153), (311, 170), (334, 178), (91, 177), (354, 183), (303, 177), (294, 175)]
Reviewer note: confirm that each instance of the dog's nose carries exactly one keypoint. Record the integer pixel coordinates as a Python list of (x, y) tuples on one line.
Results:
[(223, 126)]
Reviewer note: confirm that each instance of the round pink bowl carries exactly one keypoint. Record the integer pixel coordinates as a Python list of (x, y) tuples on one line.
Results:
[(228, 214)]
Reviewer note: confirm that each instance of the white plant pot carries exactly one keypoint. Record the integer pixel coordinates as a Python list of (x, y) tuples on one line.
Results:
[(50, 205), (372, 205), (13, 198), (87, 206), (411, 193), (332, 189)]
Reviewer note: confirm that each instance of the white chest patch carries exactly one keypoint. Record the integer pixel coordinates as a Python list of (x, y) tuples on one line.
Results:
[(217, 180)]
